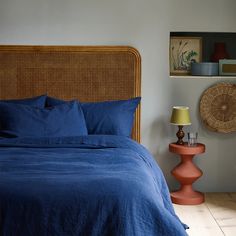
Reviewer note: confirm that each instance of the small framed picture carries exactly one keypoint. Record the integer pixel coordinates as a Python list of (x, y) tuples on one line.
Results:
[(184, 51)]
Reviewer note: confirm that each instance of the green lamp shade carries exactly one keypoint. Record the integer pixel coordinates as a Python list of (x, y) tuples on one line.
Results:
[(180, 116)]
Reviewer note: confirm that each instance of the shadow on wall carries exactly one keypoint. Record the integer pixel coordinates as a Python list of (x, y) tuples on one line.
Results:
[(166, 160), (219, 163)]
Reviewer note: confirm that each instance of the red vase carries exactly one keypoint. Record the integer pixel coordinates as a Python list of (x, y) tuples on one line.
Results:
[(219, 52)]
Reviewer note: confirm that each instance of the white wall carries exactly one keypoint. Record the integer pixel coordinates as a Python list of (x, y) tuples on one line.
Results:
[(144, 24)]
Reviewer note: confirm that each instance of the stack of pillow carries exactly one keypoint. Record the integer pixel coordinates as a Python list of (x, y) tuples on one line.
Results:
[(45, 116)]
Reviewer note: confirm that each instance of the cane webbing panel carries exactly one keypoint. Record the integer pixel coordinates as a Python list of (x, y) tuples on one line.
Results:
[(87, 73)]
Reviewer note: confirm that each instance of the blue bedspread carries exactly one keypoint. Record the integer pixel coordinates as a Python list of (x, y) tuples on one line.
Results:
[(87, 185)]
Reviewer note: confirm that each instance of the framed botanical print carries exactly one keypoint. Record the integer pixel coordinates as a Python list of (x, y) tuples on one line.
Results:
[(184, 51)]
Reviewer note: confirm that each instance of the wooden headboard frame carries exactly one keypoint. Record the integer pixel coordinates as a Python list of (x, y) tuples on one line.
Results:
[(87, 73)]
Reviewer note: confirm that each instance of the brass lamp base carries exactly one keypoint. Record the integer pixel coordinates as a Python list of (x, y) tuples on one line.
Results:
[(180, 135)]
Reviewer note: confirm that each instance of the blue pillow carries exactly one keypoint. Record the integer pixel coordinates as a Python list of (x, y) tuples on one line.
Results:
[(18, 120), (51, 101), (38, 101), (109, 117)]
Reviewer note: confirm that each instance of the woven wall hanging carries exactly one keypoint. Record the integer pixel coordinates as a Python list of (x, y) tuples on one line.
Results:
[(218, 108)]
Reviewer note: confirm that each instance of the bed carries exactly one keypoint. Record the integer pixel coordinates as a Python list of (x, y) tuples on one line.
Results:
[(70, 158)]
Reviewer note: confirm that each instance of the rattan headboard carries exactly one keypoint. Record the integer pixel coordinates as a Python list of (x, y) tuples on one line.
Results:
[(87, 73)]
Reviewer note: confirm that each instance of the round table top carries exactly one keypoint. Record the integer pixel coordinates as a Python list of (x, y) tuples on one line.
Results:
[(187, 150)]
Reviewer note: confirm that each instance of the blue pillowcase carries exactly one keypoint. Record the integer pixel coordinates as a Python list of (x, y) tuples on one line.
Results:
[(51, 101), (38, 101), (17, 120), (109, 117)]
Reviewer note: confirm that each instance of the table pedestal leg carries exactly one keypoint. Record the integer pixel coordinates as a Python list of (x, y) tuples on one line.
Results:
[(187, 173)]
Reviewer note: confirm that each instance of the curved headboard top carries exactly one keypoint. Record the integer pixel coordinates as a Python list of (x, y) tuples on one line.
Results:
[(87, 73)]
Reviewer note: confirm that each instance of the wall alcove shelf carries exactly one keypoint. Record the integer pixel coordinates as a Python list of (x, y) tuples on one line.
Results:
[(207, 42), (201, 77)]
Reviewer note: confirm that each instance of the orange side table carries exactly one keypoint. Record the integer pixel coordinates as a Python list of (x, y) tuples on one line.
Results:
[(186, 172)]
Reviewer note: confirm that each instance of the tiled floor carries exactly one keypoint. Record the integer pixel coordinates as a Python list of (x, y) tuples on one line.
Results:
[(217, 216)]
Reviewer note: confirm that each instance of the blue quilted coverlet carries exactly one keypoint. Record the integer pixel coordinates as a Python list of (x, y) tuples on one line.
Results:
[(83, 186)]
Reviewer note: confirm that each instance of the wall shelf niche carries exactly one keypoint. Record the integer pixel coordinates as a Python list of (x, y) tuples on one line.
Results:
[(201, 77), (207, 43)]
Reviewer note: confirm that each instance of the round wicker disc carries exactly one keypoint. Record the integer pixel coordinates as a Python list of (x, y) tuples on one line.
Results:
[(218, 107)]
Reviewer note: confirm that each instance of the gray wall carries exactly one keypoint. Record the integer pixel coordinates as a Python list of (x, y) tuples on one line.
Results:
[(144, 24)]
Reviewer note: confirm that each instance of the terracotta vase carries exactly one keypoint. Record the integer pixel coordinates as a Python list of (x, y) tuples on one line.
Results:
[(219, 52)]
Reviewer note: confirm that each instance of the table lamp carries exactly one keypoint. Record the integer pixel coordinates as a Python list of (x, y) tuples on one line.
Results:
[(180, 116)]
